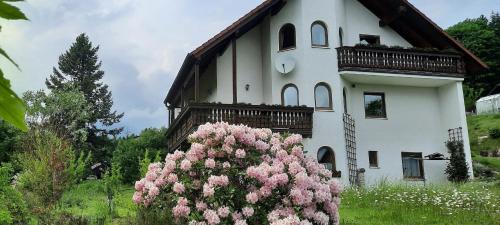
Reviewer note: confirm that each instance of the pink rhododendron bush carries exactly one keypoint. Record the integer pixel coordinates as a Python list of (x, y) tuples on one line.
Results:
[(239, 175)]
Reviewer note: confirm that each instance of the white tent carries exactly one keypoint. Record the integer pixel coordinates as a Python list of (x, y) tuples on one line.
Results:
[(489, 104)]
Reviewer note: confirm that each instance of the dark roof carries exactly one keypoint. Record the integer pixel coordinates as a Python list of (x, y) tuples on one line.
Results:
[(412, 25)]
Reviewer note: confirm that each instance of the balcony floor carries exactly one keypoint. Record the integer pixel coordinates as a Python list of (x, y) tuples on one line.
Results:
[(397, 79)]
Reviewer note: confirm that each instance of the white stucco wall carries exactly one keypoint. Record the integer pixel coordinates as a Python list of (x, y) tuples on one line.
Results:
[(452, 109), (413, 124), (249, 67), (225, 76)]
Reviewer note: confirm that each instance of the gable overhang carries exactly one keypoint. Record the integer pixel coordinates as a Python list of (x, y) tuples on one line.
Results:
[(419, 30), (204, 54)]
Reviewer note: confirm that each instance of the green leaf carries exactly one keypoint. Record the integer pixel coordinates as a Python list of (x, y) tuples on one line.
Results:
[(12, 108), (2, 52), (11, 12)]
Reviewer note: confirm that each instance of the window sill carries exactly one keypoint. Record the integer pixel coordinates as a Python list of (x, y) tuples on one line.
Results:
[(320, 47), (374, 167), (414, 179), (287, 49), (324, 110)]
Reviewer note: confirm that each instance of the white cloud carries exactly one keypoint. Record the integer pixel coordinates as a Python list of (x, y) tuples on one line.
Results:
[(142, 42)]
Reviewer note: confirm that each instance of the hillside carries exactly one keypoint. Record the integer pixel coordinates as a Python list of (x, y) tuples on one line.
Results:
[(481, 140)]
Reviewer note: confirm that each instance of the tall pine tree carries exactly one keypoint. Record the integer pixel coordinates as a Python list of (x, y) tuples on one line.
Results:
[(80, 66)]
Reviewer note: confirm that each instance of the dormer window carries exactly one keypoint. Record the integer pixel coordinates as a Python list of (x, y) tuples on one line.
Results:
[(319, 34), (365, 39), (287, 37)]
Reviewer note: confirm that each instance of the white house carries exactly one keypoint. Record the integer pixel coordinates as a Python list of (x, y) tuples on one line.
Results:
[(372, 85)]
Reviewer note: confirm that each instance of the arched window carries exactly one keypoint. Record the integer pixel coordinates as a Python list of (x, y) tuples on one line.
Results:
[(319, 34), (326, 156), (323, 96), (341, 37), (290, 95), (287, 37)]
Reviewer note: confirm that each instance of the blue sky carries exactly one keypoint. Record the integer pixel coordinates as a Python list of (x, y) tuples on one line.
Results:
[(143, 42)]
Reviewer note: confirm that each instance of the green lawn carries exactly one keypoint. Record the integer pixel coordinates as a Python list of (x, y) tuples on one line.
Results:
[(89, 200), (479, 127), (474, 203)]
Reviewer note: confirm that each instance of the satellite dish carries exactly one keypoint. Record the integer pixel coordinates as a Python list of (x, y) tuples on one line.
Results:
[(285, 64)]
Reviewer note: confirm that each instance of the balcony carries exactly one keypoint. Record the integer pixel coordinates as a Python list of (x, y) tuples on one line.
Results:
[(400, 61), (297, 120)]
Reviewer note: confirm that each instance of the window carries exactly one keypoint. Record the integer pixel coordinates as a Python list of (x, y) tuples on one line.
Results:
[(326, 156), (373, 159), (344, 98), (412, 165), (341, 37), (369, 39), (323, 96), (375, 105), (290, 95), (287, 37), (319, 34)]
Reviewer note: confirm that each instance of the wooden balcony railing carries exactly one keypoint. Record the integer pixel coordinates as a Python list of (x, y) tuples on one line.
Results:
[(394, 60), (297, 120)]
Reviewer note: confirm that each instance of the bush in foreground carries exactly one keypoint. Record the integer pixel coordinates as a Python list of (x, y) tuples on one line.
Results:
[(239, 175)]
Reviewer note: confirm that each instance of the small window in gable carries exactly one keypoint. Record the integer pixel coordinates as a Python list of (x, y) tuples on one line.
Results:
[(323, 96), (287, 37), (290, 95), (326, 156), (319, 34), (365, 39)]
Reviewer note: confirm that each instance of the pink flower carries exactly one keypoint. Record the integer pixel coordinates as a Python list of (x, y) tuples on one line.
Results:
[(210, 163), (218, 181), (240, 222), (236, 216), (139, 185), (137, 198), (248, 211), (208, 191), (172, 178), (181, 211), (153, 192), (240, 154), (223, 212), (201, 206), (186, 165), (211, 217), (226, 165), (252, 197), (178, 188)]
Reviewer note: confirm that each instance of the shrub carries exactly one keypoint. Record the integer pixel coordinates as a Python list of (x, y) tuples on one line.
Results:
[(239, 175), (12, 208), (49, 167), (130, 151), (457, 169), (494, 133)]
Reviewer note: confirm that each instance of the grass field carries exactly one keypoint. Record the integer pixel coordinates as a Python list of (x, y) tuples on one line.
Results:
[(89, 200), (474, 203)]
